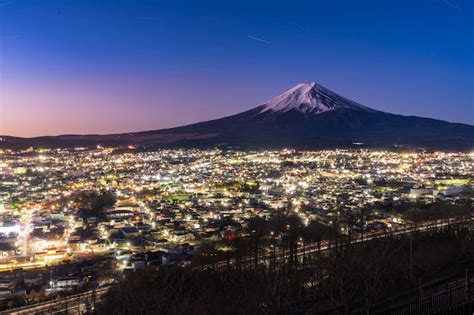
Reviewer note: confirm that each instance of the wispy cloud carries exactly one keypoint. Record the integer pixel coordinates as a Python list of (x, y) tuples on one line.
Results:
[(451, 3), (5, 3), (260, 39)]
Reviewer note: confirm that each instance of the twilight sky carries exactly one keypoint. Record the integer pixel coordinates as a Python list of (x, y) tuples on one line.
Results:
[(115, 66)]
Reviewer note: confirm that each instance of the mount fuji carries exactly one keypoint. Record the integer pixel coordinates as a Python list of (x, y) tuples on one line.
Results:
[(307, 116), (310, 98)]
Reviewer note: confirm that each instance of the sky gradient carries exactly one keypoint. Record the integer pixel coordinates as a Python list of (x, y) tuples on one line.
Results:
[(119, 66)]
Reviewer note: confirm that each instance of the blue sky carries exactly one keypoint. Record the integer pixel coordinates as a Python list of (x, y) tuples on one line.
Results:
[(113, 66)]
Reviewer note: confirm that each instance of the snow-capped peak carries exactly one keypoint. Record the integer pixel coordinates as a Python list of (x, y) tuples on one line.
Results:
[(310, 97)]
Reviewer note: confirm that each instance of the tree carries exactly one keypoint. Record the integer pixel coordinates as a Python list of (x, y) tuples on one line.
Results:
[(258, 229), (94, 202)]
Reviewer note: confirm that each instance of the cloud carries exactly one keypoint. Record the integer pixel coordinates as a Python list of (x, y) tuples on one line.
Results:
[(5, 3), (260, 39)]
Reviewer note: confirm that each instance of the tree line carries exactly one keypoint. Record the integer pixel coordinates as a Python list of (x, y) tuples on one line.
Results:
[(266, 270)]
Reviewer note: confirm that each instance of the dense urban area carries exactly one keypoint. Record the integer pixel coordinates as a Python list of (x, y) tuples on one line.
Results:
[(111, 221)]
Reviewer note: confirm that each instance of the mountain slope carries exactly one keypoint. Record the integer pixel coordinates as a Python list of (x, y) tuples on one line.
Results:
[(306, 116)]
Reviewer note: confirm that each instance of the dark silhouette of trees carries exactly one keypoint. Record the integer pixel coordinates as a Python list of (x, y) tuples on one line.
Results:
[(439, 210), (184, 291), (94, 202), (258, 229), (347, 278)]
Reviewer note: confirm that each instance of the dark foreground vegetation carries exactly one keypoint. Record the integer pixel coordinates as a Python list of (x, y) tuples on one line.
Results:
[(349, 278)]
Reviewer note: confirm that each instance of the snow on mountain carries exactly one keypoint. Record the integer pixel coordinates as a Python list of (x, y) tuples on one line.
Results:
[(311, 98)]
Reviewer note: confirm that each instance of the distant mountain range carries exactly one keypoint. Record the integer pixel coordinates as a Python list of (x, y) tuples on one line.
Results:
[(307, 116)]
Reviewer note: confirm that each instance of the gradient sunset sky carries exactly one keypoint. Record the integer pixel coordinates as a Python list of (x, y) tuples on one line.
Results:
[(118, 66)]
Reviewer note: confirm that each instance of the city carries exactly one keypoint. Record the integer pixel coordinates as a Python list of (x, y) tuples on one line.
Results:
[(75, 219)]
